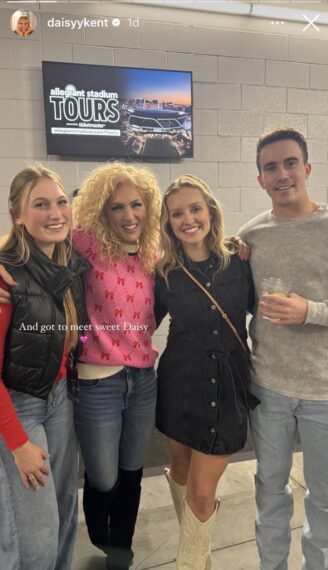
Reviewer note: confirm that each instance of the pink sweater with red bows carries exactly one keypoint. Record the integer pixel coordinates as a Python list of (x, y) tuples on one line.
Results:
[(120, 306)]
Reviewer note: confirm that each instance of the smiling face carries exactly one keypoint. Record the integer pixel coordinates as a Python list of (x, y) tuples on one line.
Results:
[(189, 218), (127, 213), (46, 215), (283, 175), (23, 24)]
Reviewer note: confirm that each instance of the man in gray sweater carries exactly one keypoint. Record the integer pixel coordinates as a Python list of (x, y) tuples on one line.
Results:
[(290, 349)]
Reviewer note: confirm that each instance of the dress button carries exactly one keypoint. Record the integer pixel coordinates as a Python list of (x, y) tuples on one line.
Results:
[(215, 332), (213, 404), (213, 307), (212, 430), (208, 284), (213, 380), (214, 356)]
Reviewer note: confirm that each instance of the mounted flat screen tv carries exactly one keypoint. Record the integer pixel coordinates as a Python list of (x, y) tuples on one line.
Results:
[(102, 111)]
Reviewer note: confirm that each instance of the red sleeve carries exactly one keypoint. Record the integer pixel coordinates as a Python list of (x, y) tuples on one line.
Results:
[(10, 427)]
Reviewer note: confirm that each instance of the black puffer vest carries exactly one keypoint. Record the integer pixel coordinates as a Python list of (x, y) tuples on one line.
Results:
[(36, 336)]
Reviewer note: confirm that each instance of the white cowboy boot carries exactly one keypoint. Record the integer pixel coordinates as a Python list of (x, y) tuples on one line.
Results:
[(195, 541)]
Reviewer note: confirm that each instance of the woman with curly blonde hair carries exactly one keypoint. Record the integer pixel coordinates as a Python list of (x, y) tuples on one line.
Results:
[(203, 374), (116, 212), (91, 213)]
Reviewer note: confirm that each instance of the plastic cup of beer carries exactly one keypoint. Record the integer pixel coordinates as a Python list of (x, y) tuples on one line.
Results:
[(275, 286)]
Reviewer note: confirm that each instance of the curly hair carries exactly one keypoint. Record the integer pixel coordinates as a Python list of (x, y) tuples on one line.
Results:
[(170, 246), (16, 250), (90, 210)]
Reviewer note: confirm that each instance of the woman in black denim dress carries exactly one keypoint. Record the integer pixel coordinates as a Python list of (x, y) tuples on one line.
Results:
[(203, 374)]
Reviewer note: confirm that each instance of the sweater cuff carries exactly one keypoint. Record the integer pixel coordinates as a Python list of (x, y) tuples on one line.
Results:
[(317, 314)]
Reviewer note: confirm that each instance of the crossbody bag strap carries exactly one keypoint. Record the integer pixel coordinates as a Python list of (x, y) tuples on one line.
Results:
[(221, 311)]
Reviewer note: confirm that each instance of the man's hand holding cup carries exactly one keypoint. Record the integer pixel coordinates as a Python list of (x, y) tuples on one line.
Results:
[(279, 305)]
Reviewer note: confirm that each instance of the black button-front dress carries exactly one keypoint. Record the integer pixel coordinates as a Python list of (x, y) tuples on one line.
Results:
[(203, 374)]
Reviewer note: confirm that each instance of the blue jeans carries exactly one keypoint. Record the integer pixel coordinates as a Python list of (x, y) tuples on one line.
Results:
[(42, 524), (9, 547), (274, 423), (114, 420)]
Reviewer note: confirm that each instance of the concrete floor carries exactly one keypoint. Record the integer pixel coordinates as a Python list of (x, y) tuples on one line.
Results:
[(234, 547)]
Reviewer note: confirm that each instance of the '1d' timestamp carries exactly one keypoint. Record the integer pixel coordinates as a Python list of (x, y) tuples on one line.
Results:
[(134, 22)]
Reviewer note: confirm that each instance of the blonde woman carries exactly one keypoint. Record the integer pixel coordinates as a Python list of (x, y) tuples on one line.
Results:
[(117, 213), (203, 374), (38, 451), (24, 28)]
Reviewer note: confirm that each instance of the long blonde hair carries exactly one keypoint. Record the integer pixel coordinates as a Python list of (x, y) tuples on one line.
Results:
[(20, 189), (170, 246), (90, 210)]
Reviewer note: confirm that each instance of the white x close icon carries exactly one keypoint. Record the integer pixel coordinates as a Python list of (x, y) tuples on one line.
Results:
[(311, 22)]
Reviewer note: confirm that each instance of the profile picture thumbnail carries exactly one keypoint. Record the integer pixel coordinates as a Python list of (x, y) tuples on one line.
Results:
[(23, 23)]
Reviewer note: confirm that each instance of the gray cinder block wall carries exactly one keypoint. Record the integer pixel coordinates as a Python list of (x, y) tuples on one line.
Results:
[(248, 77)]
